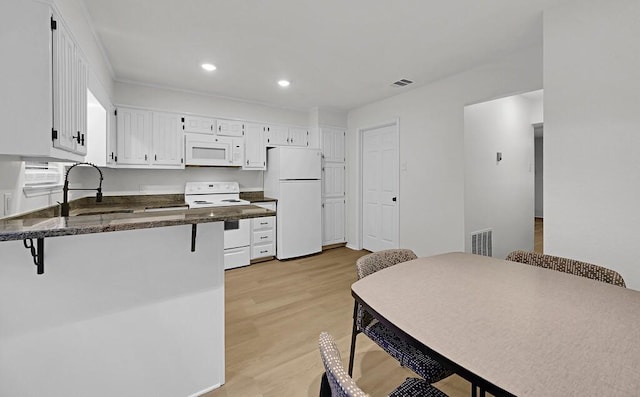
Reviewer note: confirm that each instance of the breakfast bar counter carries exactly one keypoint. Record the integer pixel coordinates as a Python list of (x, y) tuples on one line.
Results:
[(131, 303)]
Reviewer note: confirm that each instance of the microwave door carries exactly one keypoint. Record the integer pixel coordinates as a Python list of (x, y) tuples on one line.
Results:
[(204, 152)]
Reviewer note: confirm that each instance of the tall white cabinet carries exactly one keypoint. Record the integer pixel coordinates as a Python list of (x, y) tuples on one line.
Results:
[(333, 185), (43, 105)]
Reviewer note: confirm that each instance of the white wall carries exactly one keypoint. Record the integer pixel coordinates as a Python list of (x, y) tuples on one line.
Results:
[(431, 117), (592, 139), (499, 195)]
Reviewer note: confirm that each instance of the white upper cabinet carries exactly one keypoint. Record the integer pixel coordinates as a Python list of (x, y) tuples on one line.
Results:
[(147, 139), (112, 145), (231, 128), (277, 135), (201, 125), (42, 102), (333, 141), (255, 151), (133, 136), (287, 136), (167, 139), (298, 136)]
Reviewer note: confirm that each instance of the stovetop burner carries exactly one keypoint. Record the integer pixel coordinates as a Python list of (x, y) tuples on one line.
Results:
[(212, 194)]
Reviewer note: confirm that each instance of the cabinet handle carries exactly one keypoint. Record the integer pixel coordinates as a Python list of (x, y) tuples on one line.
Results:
[(264, 252), (247, 162), (82, 143), (264, 223), (263, 237), (77, 138), (155, 157), (112, 156), (145, 157)]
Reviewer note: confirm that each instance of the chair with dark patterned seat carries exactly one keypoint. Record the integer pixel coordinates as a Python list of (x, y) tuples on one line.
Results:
[(363, 322), (567, 265), (337, 383)]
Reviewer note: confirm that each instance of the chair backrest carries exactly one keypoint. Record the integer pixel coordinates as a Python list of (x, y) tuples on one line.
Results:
[(566, 265), (375, 261), (341, 384)]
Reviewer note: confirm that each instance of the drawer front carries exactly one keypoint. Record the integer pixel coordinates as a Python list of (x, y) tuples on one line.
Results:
[(262, 250), (262, 236), (263, 223), (236, 257)]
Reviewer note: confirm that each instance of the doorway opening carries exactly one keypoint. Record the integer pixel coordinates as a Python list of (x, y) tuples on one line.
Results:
[(500, 171)]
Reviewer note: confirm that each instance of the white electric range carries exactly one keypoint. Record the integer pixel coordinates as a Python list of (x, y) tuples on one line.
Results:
[(237, 234)]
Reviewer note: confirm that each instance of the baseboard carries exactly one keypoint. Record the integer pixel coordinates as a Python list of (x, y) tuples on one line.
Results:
[(351, 247), (332, 246), (205, 391)]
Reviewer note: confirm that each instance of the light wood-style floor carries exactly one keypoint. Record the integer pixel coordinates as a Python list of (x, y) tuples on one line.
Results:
[(274, 314), (538, 235)]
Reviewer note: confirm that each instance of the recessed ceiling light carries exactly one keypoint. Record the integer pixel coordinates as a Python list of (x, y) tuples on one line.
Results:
[(208, 67), (283, 83)]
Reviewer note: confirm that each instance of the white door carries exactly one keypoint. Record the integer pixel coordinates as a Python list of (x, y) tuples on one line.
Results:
[(64, 84), (380, 172)]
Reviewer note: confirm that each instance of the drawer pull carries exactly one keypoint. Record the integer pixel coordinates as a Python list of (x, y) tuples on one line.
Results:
[(264, 223), (264, 252), (263, 237)]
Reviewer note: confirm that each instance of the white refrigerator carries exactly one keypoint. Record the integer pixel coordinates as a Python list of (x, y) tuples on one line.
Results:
[(293, 178)]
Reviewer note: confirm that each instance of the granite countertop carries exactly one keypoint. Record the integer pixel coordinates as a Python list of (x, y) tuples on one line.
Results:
[(117, 214), (255, 197)]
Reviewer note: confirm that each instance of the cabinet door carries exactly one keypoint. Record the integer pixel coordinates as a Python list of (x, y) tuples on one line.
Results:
[(333, 180), (202, 125), (277, 135), (231, 128), (333, 145), (80, 104), (333, 221), (133, 136), (64, 54), (112, 148), (166, 139), (298, 136), (255, 152)]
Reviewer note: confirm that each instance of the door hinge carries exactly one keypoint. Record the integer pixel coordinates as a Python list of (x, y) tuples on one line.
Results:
[(54, 24), (54, 134), (182, 119)]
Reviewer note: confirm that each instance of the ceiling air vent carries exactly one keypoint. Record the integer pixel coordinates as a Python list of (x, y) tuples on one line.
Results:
[(402, 83)]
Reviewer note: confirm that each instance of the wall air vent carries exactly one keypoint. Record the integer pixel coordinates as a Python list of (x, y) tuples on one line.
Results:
[(402, 83), (482, 242)]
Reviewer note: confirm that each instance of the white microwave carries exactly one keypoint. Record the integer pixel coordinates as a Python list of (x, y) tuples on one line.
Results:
[(211, 150)]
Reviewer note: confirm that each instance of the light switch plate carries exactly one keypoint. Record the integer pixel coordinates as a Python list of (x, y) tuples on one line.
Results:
[(6, 203)]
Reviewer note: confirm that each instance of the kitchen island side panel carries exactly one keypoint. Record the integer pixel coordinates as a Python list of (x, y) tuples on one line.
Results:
[(127, 313)]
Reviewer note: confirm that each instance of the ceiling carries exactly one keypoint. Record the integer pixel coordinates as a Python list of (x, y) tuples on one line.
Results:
[(337, 54)]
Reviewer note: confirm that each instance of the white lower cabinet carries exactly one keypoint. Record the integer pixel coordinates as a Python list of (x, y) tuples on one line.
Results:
[(333, 221), (263, 233)]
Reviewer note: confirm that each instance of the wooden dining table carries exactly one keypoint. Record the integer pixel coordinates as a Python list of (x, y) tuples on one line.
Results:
[(511, 328)]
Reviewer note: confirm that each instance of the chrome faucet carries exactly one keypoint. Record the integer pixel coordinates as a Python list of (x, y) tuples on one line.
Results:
[(64, 207)]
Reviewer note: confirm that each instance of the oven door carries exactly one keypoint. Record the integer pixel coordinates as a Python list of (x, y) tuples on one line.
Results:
[(208, 150), (237, 233)]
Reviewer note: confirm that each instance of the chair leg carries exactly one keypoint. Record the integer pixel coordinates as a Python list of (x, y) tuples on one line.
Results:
[(354, 333), (325, 389)]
